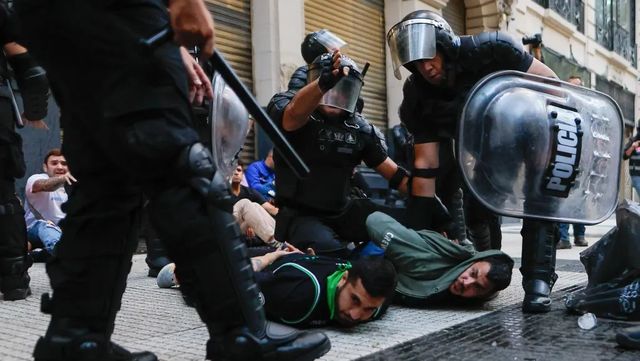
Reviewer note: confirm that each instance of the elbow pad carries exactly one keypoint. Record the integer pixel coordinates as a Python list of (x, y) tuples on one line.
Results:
[(33, 84)]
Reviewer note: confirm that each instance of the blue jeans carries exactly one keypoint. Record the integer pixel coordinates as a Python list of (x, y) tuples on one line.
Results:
[(635, 181), (578, 231), (44, 234)]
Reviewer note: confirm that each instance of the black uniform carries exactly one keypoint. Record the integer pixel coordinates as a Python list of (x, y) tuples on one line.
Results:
[(431, 113), (14, 279), (295, 289), (128, 128), (315, 212)]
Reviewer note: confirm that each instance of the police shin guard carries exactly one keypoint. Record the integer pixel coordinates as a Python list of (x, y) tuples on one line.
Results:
[(538, 264), (221, 284), (14, 279)]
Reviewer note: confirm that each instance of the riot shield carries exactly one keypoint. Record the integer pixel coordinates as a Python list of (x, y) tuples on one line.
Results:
[(229, 125), (534, 147)]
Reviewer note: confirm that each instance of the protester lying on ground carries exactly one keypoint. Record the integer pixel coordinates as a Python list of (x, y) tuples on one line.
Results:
[(45, 194), (432, 269), (310, 290)]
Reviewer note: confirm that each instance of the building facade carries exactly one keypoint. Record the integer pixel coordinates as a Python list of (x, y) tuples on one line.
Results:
[(595, 39)]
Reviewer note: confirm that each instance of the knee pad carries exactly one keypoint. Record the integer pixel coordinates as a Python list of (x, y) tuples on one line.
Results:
[(197, 168)]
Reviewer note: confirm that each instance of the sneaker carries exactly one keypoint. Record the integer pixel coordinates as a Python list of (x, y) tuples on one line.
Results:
[(580, 241), (563, 244)]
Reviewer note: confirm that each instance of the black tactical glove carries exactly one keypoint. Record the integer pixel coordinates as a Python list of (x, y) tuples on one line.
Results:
[(33, 84), (328, 79), (427, 213)]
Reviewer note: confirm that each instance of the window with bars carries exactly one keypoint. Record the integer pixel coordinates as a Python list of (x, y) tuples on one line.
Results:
[(615, 27), (572, 10)]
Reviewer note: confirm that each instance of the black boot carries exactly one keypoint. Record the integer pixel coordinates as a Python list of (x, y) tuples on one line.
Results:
[(480, 236), (87, 296), (538, 264), (629, 337), (225, 294), (72, 340), (156, 256), (14, 279)]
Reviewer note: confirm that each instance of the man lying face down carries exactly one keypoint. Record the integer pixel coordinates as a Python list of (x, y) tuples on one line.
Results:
[(432, 269), (308, 290), (305, 290)]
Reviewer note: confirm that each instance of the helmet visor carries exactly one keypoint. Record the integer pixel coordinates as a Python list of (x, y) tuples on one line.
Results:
[(411, 40), (344, 95), (229, 126), (329, 40)]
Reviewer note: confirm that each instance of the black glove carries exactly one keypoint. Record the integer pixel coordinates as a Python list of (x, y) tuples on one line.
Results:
[(327, 79), (427, 213), (33, 84)]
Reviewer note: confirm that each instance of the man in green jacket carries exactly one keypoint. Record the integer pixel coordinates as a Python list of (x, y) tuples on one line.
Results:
[(432, 269)]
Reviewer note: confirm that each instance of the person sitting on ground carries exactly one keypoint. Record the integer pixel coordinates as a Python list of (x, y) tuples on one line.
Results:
[(432, 269), (253, 213), (45, 194), (261, 176), (309, 290)]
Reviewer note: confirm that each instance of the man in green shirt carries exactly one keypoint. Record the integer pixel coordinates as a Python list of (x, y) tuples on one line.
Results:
[(432, 269)]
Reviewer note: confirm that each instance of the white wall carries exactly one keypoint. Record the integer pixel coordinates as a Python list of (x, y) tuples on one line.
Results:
[(277, 29)]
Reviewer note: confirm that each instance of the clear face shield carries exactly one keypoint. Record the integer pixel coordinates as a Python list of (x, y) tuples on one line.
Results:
[(229, 126), (329, 40), (344, 95), (411, 40)]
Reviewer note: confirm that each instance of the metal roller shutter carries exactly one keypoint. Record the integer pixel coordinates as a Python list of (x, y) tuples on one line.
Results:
[(455, 14), (361, 24), (233, 38)]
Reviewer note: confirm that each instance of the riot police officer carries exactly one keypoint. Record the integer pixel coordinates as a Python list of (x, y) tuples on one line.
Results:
[(128, 129), (321, 122), (32, 81), (444, 67)]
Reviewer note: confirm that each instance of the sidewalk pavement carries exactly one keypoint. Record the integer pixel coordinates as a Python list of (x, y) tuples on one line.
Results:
[(156, 319)]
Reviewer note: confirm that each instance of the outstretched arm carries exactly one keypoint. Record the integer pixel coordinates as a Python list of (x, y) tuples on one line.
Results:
[(397, 177), (539, 68), (427, 158)]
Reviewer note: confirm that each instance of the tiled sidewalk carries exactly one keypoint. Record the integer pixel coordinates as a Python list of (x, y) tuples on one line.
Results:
[(157, 320)]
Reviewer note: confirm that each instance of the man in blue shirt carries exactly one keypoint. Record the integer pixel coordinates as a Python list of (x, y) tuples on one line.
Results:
[(260, 176)]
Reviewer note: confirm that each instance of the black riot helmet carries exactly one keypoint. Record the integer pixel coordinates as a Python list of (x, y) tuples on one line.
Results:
[(417, 36), (344, 95), (318, 43)]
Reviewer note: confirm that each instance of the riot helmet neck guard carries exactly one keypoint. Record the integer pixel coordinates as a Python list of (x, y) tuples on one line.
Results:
[(344, 95), (417, 37)]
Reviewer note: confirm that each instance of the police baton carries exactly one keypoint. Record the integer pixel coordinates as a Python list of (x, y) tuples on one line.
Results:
[(287, 152), (14, 105)]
